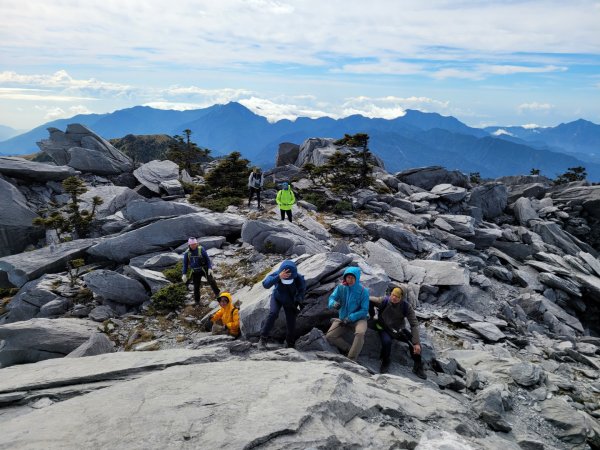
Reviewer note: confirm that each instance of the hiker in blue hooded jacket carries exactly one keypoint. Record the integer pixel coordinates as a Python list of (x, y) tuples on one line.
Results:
[(352, 300), (289, 290)]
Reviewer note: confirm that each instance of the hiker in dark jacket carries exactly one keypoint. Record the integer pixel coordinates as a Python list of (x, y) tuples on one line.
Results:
[(392, 312), (289, 290), (196, 259), (255, 185)]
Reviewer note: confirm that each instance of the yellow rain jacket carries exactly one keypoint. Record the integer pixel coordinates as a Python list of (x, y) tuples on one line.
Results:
[(285, 199), (229, 315)]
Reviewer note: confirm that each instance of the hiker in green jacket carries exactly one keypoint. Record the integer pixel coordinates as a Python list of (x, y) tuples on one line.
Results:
[(285, 199)]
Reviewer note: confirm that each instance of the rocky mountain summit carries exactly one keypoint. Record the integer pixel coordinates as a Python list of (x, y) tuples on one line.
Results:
[(504, 276)]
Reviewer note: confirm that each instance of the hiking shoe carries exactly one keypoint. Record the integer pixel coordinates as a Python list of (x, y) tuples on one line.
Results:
[(262, 344), (385, 367), (419, 371)]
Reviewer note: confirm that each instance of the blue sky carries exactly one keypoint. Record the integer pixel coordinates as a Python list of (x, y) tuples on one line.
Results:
[(484, 62)]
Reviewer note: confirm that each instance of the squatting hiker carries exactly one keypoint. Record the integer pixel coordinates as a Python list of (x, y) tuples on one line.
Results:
[(352, 300), (285, 199), (392, 311), (289, 290), (196, 258), (226, 320), (255, 184)]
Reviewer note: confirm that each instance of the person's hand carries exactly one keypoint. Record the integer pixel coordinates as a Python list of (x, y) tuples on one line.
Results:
[(285, 274), (336, 305), (184, 278), (417, 349), (210, 272), (346, 321)]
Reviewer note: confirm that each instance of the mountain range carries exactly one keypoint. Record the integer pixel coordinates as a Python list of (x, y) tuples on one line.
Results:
[(413, 140)]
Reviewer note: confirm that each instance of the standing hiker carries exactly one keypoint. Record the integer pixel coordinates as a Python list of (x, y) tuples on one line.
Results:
[(392, 312), (196, 259), (286, 200), (289, 290), (352, 300), (255, 184)]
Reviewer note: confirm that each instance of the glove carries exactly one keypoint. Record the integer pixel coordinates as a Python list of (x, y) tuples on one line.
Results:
[(336, 305), (210, 272), (184, 278)]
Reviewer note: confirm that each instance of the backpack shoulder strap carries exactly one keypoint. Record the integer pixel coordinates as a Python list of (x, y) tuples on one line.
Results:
[(405, 307)]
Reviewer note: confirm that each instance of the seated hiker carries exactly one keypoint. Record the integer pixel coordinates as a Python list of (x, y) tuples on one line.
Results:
[(226, 320), (392, 311), (352, 300), (289, 290), (196, 258)]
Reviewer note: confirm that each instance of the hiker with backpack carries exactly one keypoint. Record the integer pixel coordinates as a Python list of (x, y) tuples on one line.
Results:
[(255, 185), (352, 300), (285, 200), (392, 312), (289, 291), (227, 319), (196, 259)]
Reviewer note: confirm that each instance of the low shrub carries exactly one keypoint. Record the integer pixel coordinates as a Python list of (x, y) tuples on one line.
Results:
[(342, 206), (169, 297), (173, 274)]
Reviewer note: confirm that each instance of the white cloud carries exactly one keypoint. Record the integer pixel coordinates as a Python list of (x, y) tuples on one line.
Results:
[(389, 107), (56, 112), (531, 126), (502, 131), (382, 67), (534, 106), (174, 105), (61, 79), (277, 111), (481, 71)]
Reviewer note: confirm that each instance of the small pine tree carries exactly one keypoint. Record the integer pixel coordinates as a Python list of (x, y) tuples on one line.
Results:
[(572, 174), (475, 177), (186, 154), (76, 221), (534, 172), (359, 149)]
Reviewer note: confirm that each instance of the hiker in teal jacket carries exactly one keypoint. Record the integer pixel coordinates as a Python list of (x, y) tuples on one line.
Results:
[(352, 300)]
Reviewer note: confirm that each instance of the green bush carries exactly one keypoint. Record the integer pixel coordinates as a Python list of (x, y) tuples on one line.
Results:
[(173, 274), (8, 292), (341, 206), (220, 204), (319, 201), (170, 297)]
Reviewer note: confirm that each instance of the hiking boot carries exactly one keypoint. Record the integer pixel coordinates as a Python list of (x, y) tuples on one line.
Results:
[(419, 371), (262, 344), (385, 367)]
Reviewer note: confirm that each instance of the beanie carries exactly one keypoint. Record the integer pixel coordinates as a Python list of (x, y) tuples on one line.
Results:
[(397, 292)]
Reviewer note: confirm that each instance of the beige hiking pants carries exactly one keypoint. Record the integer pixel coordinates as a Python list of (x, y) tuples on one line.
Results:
[(335, 336)]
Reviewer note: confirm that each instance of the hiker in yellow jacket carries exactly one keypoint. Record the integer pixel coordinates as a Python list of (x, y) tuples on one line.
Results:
[(285, 199), (226, 320)]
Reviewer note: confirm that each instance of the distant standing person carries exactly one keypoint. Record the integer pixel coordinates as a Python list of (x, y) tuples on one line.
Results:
[(290, 289), (392, 312), (286, 200), (352, 300), (255, 184), (196, 259)]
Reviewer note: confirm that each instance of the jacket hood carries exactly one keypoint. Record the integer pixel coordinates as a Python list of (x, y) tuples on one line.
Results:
[(353, 271), (226, 294), (287, 264)]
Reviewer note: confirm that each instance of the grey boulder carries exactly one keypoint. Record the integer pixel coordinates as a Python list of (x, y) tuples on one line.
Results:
[(526, 374), (268, 236), (491, 198), (428, 177), (114, 199), (138, 210), (97, 344), (487, 330), (348, 227), (452, 194), (115, 287), (39, 339), (160, 176), (35, 171)]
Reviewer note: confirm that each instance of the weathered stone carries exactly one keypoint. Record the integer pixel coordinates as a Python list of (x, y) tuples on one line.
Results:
[(591, 261), (22, 268), (529, 190), (156, 175), (162, 261), (441, 273), (16, 228), (150, 278), (287, 153), (314, 341), (397, 235), (465, 316), (491, 198), (35, 171), (55, 308), (286, 238), (321, 266), (588, 197), (115, 198), (569, 286), (553, 234), (112, 286), (491, 404), (166, 233), (138, 210), (388, 258), (347, 227), (97, 344), (461, 225), (38, 339), (449, 193), (526, 374), (84, 150), (101, 313), (574, 427), (408, 218), (428, 177), (488, 330), (524, 212), (30, 298)]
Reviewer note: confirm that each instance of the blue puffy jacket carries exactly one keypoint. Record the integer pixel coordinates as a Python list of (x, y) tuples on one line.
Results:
[(354, 300), (286, 294)]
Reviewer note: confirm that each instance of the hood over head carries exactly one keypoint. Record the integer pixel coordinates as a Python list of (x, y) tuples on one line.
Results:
[(352, 271)]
